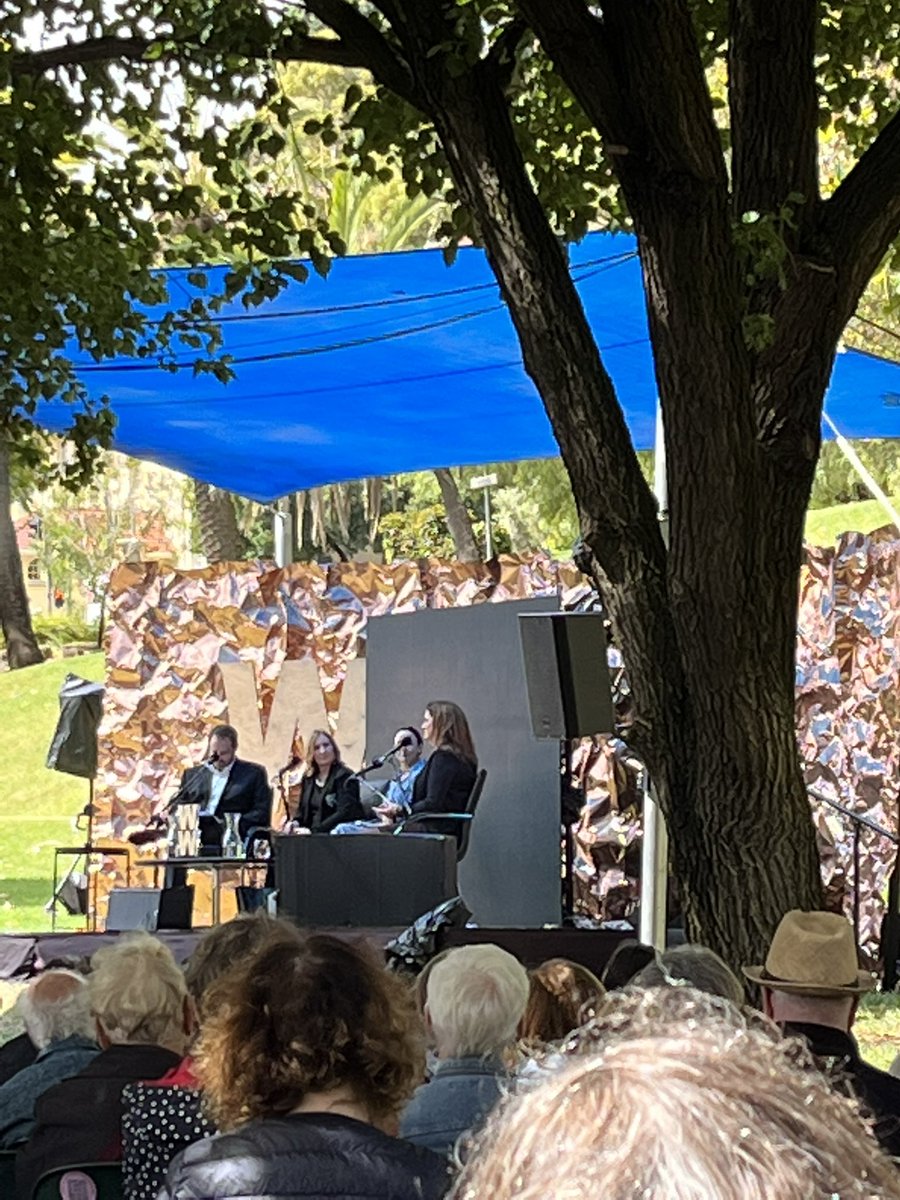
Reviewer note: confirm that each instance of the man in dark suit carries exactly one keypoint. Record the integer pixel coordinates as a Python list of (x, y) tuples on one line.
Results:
[(226, 784)]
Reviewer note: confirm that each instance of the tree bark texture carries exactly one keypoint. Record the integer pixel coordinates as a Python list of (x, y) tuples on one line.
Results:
[(220, 538), (22, 649), (458, 520), (708, 629)]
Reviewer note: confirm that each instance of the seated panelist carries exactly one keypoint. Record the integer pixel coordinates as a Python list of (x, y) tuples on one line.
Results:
[(449, 775), (329, 793), (226, 784), (396, 801)]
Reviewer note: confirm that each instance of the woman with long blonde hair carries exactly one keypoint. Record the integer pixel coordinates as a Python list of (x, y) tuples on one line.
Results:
[(329, 794)]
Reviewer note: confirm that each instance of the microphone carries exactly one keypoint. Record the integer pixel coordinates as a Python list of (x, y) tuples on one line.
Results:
[(213, 758), (381, 759)]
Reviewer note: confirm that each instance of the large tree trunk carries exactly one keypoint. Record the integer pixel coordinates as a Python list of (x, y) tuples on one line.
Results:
[(714, 698), (22, 649), (458, 520), (220, 538)]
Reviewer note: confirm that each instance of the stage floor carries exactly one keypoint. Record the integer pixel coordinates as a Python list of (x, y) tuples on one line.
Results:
[(22, 954)]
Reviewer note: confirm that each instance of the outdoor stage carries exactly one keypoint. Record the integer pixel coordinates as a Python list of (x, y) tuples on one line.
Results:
[(23, 954)]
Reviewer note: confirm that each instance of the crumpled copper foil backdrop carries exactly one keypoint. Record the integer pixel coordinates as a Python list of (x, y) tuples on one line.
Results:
[(169, 630), (848, 708)]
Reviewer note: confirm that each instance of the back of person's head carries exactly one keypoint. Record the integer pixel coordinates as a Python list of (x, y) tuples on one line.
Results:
[(309, 1015), (628, 958), (680, 1098), (476, 996), (562, 995), (138, 994), (695, 965), (56, 1005), (224, 948)]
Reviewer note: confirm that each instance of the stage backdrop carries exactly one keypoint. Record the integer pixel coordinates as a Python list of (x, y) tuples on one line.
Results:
[(473, 657), (271, 649)]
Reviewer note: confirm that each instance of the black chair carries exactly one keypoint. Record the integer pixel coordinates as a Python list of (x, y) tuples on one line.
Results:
[(107, 1178), (464, 818)]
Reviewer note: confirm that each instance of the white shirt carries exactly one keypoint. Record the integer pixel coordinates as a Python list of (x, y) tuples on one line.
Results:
[(216, 788)]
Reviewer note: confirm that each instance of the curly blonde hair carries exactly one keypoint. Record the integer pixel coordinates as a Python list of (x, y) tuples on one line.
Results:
[(679, 1096), (309, 1014)]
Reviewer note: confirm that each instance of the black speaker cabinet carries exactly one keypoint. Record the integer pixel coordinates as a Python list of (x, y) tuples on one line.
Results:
[(363, 880), (566, 674), (150, 909)]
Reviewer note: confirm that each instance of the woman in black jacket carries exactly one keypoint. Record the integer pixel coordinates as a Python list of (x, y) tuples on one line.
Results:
[(308, 1061), (449, 774), (329, 793)]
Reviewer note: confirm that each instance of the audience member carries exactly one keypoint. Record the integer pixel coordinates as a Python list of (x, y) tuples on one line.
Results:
[(163, 1116), (811, 984), (695, 965), (475, 998), (626, 960), (678, 1096), (562, 995), (56, 1011), (144, 1017), (307, 1058)]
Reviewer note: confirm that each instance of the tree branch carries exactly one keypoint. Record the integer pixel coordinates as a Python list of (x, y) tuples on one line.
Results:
[(636, 72), (330, 51), (358, 44), (358, 33), (501, 58), (862, 218), (773, 105)]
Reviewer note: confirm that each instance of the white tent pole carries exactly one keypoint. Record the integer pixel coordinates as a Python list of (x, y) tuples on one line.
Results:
[(655, 845), (863, 472)]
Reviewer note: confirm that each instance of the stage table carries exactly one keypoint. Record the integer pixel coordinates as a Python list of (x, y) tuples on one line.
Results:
[(216, 864)]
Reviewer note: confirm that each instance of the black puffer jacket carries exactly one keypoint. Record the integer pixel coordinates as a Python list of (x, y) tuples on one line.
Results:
[(306, 1157)]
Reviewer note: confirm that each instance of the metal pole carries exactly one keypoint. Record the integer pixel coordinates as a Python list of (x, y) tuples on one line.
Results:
[(655, 844), (282, 535), (488, 532)]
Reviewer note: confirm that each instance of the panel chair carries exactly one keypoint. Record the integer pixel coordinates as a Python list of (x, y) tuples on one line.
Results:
[(83, 1181), (464, 819)]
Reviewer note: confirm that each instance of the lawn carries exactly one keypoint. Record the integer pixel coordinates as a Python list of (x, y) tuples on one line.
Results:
[(37, 806), (825, 525)]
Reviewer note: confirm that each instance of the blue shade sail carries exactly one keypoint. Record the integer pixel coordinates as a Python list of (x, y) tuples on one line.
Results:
[(397, 363)]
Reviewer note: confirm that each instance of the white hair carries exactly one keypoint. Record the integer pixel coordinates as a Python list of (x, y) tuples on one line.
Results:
[(51, 1013), (138, 993), (475, 999)]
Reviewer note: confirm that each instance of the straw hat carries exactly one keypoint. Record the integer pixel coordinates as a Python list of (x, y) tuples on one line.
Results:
[(813, 954)]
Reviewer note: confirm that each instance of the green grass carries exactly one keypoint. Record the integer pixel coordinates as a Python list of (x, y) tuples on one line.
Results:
[(825, 525), (37, 805), (877, 1028)]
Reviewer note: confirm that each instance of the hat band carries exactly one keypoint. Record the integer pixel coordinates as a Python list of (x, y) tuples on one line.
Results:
[(770, 978)]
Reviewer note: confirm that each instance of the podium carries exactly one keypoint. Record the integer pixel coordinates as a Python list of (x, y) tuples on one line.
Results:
[(363, 880)]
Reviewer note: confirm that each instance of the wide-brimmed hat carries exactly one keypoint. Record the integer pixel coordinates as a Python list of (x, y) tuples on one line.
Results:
[(814, 954)]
